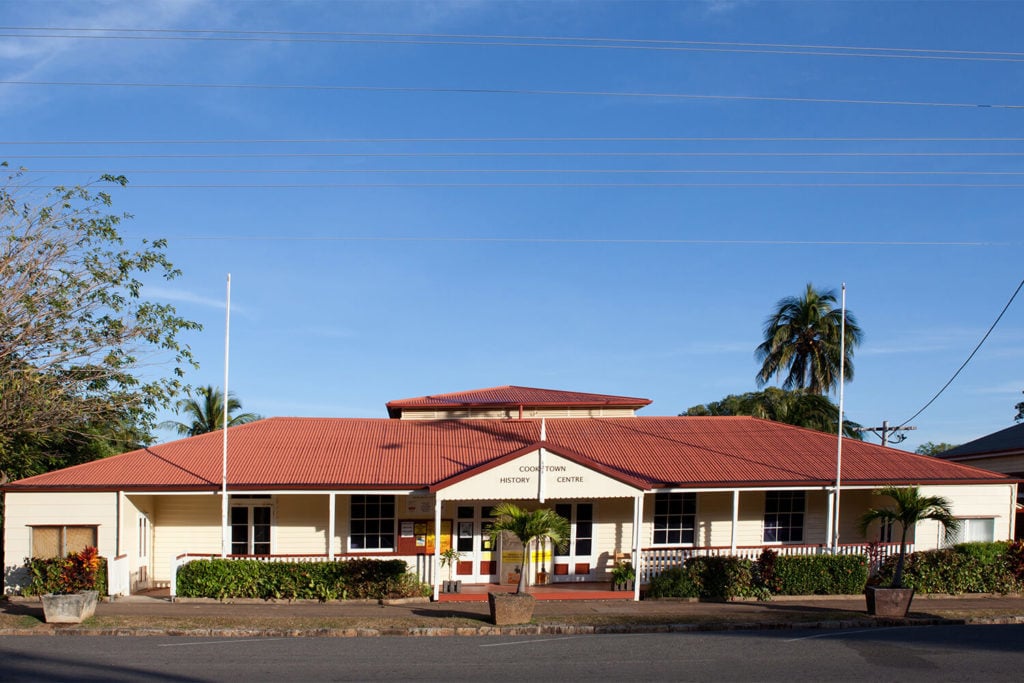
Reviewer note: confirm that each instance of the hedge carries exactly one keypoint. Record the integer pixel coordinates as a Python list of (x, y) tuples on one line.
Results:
[(338, 580), (996, 567), (726, 577)]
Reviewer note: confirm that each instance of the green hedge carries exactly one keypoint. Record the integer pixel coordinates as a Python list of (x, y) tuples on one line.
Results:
[(996, 567), (820, 574), (339, 580), (724, 578), (48, 576)]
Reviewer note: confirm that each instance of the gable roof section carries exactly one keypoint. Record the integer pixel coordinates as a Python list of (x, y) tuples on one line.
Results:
[(512, 397), (655, 452), (1007, 440)]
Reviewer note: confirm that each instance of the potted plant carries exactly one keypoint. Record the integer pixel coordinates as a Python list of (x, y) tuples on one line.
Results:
[(74, 598), (623, 576), (909, 508), (450, 558), (530, 528)]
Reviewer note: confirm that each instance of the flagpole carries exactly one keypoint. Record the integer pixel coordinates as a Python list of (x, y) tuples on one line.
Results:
[(839, 439), (224, 537)]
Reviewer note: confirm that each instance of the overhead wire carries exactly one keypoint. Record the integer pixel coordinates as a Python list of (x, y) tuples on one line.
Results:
[(512, 91), (234, 141), (969, 358)]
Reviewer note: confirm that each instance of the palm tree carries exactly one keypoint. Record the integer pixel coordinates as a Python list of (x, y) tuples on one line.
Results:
[(802, 338), (530, 527), (205, 409), (910, 508)]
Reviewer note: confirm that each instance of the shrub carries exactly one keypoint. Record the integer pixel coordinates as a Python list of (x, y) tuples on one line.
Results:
[(676, 582), (819, 574), (85, 570), (323, 581), (964, 568)]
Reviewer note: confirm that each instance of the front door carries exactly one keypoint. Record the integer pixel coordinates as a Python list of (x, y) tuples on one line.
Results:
[(576, 563), (478, 561), (145, 541)]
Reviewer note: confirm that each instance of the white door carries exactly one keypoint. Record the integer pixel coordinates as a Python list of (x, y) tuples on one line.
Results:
[(576, 563), (145, 542), (478, 562)]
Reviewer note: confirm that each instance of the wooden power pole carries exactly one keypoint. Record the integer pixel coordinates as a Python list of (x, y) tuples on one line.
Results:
[(884, 431)]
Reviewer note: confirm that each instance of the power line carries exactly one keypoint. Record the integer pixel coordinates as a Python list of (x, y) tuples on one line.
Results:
[(239, 141), (542, 171), (576, 42), (513, 91), (964, 365), (437, 155), (282, 186)]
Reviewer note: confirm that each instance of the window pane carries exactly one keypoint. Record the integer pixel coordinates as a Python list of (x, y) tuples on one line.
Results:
[(76, 538), (46, 541), (464, 512)]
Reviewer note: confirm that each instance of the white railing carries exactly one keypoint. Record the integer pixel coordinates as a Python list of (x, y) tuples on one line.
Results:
[(119, 576), (656, 560), (422, 565)]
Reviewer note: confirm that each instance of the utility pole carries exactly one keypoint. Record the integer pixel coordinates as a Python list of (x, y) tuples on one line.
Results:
[(884, 430)]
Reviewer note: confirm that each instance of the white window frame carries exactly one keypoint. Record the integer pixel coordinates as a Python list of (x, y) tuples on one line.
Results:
[(250, 502), (655, 515), (394, 524), (802, 513), (963, 535)]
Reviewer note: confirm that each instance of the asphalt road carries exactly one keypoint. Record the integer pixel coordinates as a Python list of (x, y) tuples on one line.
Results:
[(933, 653)]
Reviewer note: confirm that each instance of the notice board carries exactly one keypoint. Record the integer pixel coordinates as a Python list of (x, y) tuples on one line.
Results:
[(416, 536)]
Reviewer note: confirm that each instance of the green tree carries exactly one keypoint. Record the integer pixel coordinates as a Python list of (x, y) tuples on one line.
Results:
[(930, 448), (909, 508), (1020, 411), (791, 407), (530, 528), (74, 325), (204, 409), (802, 340)]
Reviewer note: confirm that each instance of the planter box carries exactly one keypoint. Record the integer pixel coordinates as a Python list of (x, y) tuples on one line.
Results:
[(451, 586), (888, 602), (623, 586), (70, 608), (510, 608)]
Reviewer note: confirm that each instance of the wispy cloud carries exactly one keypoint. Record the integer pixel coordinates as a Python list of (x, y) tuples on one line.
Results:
[(184, 296)]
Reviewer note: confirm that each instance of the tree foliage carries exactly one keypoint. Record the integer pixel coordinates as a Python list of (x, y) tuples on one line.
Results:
[(802, 341), (530, 527), (204, 409), (931, 448), (1020, 411), (791, 407), (74, 326), (909, 508)]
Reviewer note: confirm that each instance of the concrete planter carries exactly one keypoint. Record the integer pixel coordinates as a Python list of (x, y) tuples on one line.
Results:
[(451, 586), (69, 608), (888, 602), (510, 608)]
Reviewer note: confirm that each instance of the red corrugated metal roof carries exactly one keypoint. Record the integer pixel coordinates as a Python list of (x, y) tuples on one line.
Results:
[(318, 453), (513, 397)]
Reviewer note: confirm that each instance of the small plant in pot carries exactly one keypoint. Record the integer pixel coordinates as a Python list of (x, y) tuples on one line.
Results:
[(909, 508), (531, 528), (623, 576), (450, 558)]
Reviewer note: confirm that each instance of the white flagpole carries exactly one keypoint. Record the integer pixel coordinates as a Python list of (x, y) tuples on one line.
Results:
[(225, 538), (839, 439)]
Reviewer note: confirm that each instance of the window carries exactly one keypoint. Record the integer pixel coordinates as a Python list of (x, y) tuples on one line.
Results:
[(675, 518), (372, 523), (58, 541), (974, 529), (784, 517), (581, 525), (250, 529)]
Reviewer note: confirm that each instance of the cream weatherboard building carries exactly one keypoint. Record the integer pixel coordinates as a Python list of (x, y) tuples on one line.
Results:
[(654, 490)]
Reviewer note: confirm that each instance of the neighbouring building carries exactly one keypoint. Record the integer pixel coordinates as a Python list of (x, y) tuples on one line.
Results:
[(655, 490)]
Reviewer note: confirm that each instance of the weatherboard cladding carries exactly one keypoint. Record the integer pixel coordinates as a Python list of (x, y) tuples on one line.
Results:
[(336, 453)]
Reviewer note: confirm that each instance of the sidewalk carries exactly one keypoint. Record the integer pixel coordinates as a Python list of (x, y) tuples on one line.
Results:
[(141, 615)]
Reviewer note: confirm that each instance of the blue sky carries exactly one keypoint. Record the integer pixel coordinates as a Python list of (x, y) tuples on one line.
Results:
[(616, 264)]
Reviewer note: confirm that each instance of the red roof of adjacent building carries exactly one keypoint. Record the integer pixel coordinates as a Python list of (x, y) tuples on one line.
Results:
[(346, 453), (514, 397)]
